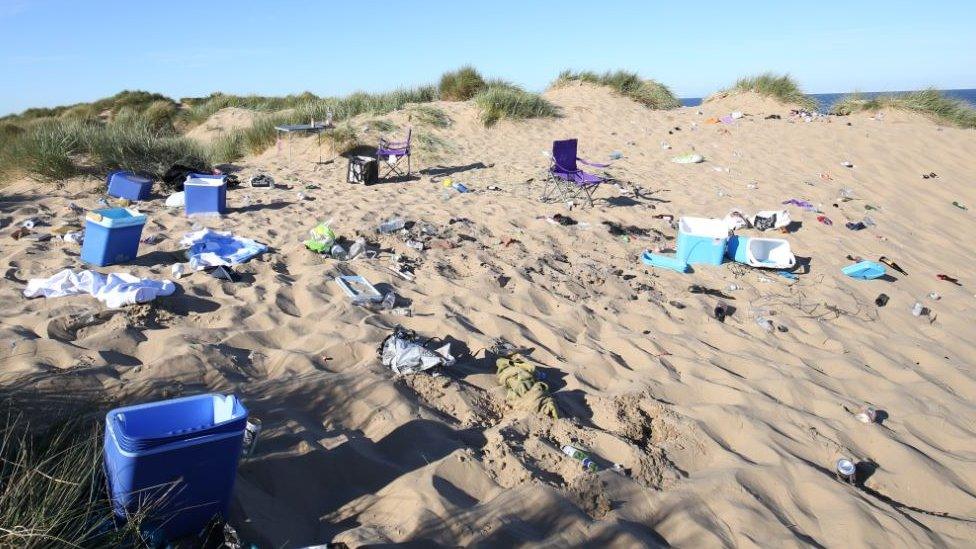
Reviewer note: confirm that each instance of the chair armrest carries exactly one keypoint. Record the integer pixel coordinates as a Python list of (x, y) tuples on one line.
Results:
[(594, 164)]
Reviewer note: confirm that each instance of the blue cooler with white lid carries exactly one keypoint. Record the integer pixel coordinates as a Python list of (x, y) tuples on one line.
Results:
[(205, 194), (702, 240), (174, 461), (112, 236), (129, 185)]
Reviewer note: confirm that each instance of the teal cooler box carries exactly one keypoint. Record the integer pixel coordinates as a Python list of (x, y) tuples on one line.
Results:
[(112, 236), (174, 461), (702, 240), (205, 194)]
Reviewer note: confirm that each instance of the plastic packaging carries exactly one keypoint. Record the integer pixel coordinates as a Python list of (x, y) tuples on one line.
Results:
[(392, 225), (338, 252), (389, 300), (358, 247), (765, 323), (581, 456), (917, 309)]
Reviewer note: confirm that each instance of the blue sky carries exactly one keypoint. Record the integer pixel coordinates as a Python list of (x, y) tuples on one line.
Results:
[(56, 52)]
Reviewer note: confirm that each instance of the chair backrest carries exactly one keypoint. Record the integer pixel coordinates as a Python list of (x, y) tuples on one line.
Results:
[(564, 154)]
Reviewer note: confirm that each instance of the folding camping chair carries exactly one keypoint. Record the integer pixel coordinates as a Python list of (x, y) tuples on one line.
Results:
[(391, 153), (564, 180)]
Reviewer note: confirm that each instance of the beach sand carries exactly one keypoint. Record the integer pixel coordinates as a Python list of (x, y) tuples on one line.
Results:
[(728, 434)]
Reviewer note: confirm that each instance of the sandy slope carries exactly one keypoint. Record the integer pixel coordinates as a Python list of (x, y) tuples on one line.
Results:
[(729, 434)]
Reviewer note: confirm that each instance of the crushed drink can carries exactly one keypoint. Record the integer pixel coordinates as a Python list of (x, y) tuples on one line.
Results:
[(251, 431)]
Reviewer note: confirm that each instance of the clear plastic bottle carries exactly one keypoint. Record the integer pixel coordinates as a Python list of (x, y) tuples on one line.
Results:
[(389, 300), (579, 455), (764, 323), (392, 225), (358, 247), (338, 252), (917, 309)]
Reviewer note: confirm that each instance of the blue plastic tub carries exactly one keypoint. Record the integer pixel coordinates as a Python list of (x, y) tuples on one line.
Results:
[(205, 194), (129, 185), (736, 248), (664, 262), (864, 270), (174, 460), (702, 240), (112, 236)]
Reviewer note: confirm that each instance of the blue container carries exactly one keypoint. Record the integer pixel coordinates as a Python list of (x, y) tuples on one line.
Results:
[(174, 460), (129, 185), (205, 194), (112, 236), (702, 240), (736, 249), (865, 270)]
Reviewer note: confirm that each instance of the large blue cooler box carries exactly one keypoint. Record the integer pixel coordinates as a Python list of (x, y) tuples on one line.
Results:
[(702, 240), (129, 185), (205, 194), (175, 461), (112, 236)]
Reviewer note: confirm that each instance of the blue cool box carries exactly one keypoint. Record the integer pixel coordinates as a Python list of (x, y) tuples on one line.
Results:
[(702, 240), (175, 459), (205, 194), (129, 185), (112, 236)]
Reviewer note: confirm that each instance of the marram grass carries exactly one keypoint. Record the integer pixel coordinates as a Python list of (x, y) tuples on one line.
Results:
[(930, 102), (650, 93)]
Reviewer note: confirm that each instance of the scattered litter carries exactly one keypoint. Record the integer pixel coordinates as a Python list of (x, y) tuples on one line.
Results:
[(846, 470), (788, 275), (959, 205), (847, 164), (948, 278), (892, 264), (864, 270), (867, 415), (209, 248), (262, 180), (919, 310), (934, 296), (690, 158), (803, 204), (115, 289), (176, 200), (825, 220), (561, 219), (180, 270), (392, 225), (321, 238), (616, 155), (931, 175), (764, 323), (855, 226), (359, 289), (581, 456), (403, 353), (664, 262), (524, 390), (154, 238), (881, 300), (766, 219), (720, 312), (20, 233), (224, 273), (30, 222)]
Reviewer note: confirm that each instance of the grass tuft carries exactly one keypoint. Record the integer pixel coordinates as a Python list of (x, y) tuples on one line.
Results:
[(461, 85), (431, 116), (783, 88), (930, 102), (51, 487), (512, 103), (650, 93)]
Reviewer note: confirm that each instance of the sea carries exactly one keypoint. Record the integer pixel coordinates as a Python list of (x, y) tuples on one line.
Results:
[(826, 100)]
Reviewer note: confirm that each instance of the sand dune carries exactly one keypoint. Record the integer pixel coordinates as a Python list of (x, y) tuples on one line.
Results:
[(728, 434)]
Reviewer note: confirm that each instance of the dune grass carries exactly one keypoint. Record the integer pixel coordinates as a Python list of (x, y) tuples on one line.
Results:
[(430, 116), (51, 489), (930, 102), (783, 88), (650, 93), (461, 84), (57, 149), (511, 102)]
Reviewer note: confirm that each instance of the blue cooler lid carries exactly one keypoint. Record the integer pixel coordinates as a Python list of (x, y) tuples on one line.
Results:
[(114, 218)]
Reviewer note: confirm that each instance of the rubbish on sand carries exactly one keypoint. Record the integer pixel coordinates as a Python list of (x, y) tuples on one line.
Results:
[(252, 429), (892, 264), (867, 415), (403, 353), (825, 220), (803, 204), (224, 273), (128, 185), (115, 289), (262, 180), (864, 270), (321, 238), (918, 309), (764, 323), (948, 278), (180, 270), (769, 219), (459, 187), (358, 289), (768, 253), (616, 155), (720, 312), (959, 205), (735, 219), (934, 296), (194, 439), (664, 262), (112, 236), (690, 158), (855, 226), (209, 248), (561, 219), (392, 225), (581, 456), (788, 275), (176, 200), (846, 470), (702, 240), (524, 391), (847, 164), (931, 175), (205, 194), (881, 300)]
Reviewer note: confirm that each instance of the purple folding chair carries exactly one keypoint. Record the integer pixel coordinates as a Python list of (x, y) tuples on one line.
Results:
[(390, 153), (565, 181)]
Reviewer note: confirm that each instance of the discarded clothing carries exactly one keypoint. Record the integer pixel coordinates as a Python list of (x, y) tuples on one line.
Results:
[(800, 204), (208, 248), (402, 353), (262, 180), (115, 290)]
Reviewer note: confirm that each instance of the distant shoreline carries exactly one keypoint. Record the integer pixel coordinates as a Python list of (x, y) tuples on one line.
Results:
[(826, 100)]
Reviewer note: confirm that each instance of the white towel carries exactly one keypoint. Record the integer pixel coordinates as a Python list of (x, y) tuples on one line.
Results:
[(115, 290)]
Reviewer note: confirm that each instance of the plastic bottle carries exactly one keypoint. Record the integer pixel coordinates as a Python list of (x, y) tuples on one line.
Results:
[(917, 309), (732, 287), (392, 225), (338, 252), (580, 455), (389, 300), (764, 323), (401, 311), (358, 247), (934, 296)]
